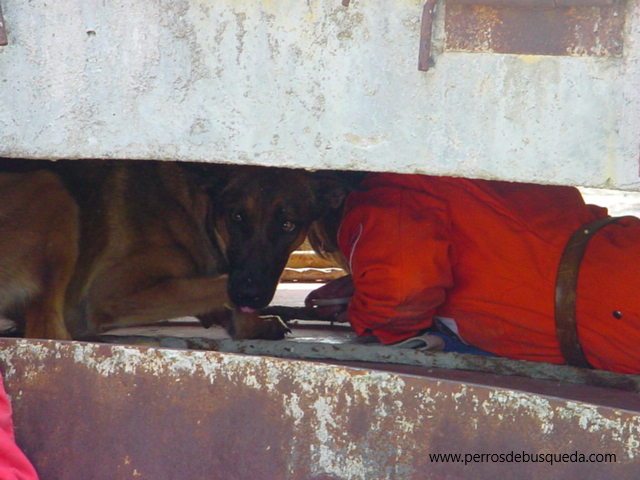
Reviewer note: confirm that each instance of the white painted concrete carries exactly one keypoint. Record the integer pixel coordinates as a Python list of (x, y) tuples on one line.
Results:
[(310, 84)]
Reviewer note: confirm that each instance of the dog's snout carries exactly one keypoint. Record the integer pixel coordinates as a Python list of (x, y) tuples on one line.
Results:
[(252, 301), (249, 291)]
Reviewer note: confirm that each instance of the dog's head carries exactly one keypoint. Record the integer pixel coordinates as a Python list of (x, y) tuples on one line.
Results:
[(260, 215)]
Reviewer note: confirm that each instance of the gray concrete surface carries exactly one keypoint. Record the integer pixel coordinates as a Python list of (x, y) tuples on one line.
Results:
[(311, 84)]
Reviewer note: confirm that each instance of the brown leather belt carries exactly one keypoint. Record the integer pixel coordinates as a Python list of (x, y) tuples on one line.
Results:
[(566, 283)]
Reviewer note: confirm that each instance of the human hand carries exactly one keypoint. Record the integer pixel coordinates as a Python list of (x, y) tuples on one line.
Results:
[(330, 301)]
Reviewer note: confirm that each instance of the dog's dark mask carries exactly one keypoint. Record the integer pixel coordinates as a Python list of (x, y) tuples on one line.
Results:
[(261, 216)]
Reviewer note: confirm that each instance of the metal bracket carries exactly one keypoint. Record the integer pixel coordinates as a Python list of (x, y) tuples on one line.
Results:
[(3, 32), (424, 56)]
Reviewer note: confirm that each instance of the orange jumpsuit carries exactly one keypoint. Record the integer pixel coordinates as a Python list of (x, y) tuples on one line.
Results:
[(484, 255)]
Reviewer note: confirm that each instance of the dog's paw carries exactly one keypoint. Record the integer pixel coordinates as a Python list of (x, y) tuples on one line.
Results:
[(248, 325), (7, 326), (274, 328), (221, 318)]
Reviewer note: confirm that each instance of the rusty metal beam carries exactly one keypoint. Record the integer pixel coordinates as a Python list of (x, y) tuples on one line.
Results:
[(103, 412), (562, 27)]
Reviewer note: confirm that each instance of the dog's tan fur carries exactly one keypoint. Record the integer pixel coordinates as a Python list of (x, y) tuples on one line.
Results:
[(146, 255), (38, 250), (147, 241)]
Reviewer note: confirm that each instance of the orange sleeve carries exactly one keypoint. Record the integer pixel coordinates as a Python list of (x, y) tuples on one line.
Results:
[(397, 244)]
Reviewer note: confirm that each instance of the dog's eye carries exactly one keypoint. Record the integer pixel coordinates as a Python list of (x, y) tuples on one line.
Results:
[(237, 217), (288, 226)]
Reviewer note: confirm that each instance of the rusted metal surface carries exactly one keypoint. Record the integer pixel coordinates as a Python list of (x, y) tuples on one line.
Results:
[(103, 412), (334, 347), (552, 27), (3, 31), (309, 259), (305, 265), (537, 3), (311, 274)]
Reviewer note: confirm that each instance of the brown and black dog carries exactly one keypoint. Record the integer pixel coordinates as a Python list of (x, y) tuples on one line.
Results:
[(159, 240), (38, 251)]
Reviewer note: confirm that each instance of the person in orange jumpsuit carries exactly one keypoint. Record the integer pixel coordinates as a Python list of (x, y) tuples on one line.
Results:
[(482, 257)]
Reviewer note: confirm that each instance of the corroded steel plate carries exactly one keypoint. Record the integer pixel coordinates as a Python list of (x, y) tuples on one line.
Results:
[(96, 411), (521, 27)]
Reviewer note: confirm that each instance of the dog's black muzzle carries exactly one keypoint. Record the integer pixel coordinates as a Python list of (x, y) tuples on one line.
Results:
[(251, 289)]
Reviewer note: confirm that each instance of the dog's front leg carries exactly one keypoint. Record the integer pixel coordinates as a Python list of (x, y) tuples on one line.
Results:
[(180, 297), (246, 325), (167, 299), (43, 319)]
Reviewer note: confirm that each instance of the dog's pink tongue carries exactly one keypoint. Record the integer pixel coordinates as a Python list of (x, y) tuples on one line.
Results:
[(247, 309)]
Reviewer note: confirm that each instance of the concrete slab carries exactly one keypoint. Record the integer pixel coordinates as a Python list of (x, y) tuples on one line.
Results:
[(313, 84)]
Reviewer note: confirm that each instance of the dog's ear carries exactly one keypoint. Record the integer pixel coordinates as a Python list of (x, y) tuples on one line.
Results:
[(211, 177), (332, 188)]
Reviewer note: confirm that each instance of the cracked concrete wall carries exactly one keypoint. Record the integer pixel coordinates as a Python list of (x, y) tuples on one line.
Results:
[(310, 84)]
